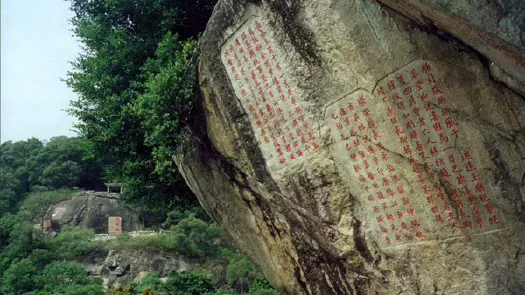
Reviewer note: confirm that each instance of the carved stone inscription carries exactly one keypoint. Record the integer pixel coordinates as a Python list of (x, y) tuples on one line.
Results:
[(385, 193), (426, 127), (114, 225), (441, 194), (253, 62)]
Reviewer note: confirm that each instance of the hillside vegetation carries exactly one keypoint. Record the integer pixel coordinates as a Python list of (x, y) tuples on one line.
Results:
[(32, 262)]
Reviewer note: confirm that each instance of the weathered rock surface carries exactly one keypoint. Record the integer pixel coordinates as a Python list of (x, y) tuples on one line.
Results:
[(92, 210), (349, 149), (126, 266)]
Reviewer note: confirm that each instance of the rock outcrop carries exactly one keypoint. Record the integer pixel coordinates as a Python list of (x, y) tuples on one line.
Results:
[(366, 147), (92, 210), (127, 266)]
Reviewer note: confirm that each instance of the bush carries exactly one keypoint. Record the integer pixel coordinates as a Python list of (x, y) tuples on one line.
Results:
[(22, 241), (197, 238), (188, 284), (241, 273), (72, 243), (93, 289), (260, 286), (192, 237), (7, 223), (176, 216), (150, 283), (122, 290), (19, 277), (158, 243), (64, 277)]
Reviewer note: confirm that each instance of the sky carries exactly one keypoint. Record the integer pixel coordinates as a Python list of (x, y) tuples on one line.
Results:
[(36, 48)]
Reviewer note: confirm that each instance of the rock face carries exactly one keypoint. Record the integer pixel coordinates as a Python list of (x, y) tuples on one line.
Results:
[(92, 210), (126, 266), (364, 147)]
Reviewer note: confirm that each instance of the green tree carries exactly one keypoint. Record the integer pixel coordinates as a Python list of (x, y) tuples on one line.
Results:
[(65, 162), (13, 156), (8, 198), (261, 286), (122, 290), (167, 100), (28, 165), (241, 272), (19, 278), (22, 241), (14, 175), (66, 174), (64, 277), (149, 283), (60, 273), (7, 223), (188, 284), (72, 243), (197, 238), (136, 57), (91, 289)]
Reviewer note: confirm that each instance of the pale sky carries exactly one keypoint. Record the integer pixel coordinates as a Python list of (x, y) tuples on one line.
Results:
[(37, 46)]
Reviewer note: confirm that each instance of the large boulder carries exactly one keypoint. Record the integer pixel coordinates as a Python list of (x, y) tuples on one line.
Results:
[(92, 210), (353, 149)]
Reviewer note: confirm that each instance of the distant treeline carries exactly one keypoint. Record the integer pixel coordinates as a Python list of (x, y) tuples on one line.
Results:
[(31, 165)]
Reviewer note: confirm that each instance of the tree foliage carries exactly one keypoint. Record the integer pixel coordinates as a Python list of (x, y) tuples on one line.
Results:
[(135, 82), (67, 278), (15, 176), (32, 166), (31, 262), (241, 272), (19, 277), (191, 237)]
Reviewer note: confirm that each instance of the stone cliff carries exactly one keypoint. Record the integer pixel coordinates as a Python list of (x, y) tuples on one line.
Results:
[(366, 147)]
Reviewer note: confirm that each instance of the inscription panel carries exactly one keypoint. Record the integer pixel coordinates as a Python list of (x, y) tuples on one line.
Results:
[(439, 193), (428, 130), (114, 225), (253, 61), (385, 194)]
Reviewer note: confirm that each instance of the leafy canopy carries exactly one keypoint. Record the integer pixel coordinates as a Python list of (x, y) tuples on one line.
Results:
[(135, 82), (32, 166)]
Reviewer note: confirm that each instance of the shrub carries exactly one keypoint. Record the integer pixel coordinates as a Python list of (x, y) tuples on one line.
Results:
[(188, 284), (122, 290), (197, 238), (192, 237), (19, 277), (260, 286), (72, 243), (66, 277), (150, 283), (241, 273), (157, 243)]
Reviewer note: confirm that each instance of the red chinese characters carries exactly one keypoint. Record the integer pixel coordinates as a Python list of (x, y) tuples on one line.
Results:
[(427, 130), (354, 123), (114, 225), (117, 224), (254, 67)]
